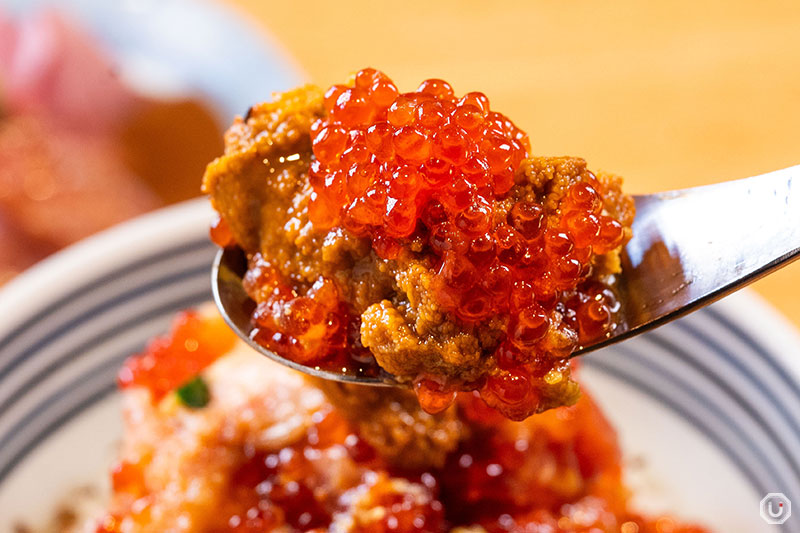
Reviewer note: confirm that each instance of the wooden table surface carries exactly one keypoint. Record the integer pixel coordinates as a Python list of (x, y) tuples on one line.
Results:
[(668, 94)]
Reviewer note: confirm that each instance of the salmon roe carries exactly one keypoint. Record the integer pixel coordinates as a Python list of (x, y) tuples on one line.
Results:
[(193, 343), (386, 163), (276, 490), (557, 472), (308, 328), (432, 174), (493, 479)]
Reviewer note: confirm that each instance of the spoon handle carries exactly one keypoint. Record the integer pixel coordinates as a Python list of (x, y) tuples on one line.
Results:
[(693, 246)]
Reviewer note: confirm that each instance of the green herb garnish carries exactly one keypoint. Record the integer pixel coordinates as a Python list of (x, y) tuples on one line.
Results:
[(194, 393)]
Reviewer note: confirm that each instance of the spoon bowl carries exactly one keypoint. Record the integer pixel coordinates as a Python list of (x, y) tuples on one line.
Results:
[(689, 248), (693, 246), (236, 307)]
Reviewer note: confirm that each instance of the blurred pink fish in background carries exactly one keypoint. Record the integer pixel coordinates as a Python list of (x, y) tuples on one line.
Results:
[(80, 151), (47, 65)]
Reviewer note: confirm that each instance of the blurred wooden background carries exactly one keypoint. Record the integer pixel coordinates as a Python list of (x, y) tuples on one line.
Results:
[(667, 94)]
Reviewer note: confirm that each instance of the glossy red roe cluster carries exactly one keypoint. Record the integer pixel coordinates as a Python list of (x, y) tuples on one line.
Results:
[(308, 328), (276, 490), (168, 362), (493, 479), (432, 167), (560, 471), (384, 159)]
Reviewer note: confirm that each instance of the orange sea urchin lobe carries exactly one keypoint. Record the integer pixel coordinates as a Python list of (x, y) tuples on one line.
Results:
[(446, 251)]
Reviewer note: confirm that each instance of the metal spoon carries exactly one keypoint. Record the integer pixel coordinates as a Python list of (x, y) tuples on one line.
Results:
[(689, 248)]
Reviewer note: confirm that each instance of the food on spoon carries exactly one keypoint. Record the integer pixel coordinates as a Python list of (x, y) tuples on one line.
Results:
[(269, 452), (417, 232)]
